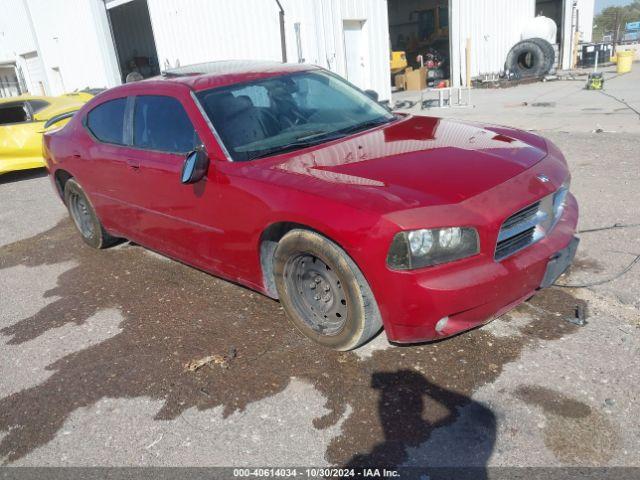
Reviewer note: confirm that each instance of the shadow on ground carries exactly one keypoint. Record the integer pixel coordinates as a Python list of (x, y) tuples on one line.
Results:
[(21, 175), (404, 397), (174, 314)]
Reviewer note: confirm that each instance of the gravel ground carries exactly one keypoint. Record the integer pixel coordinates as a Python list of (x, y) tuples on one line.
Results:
[(93, 347)]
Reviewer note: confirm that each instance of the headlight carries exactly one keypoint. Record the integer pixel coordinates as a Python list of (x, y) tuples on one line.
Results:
[(422, 248), (560, 198)]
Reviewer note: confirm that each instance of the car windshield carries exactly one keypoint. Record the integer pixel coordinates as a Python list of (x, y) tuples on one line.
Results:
[(285, 113)]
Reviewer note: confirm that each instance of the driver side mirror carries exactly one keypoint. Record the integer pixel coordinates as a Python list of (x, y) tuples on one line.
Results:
[(372, 94), (195, 166)]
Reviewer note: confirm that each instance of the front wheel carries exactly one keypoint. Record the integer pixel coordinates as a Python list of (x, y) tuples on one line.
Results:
[(323, 291)]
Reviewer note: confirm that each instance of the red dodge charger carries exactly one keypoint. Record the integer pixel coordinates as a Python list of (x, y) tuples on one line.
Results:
[(292, 182)]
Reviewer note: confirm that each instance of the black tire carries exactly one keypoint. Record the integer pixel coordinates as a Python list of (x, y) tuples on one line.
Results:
[(526, 59), (84, 217), (549, 53), (345, 321)]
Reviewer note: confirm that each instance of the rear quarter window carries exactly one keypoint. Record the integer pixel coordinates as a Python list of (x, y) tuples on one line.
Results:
[(15, 113), (106, 121)]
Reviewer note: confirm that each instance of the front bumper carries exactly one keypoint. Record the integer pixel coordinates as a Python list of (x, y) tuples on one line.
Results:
[(474, 291)]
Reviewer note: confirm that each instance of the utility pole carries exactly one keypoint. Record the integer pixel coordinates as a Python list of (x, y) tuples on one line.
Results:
[(616, 30), (283, 37)]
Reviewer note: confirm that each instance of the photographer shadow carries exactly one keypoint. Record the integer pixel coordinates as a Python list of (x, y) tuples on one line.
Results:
[(411, 409)]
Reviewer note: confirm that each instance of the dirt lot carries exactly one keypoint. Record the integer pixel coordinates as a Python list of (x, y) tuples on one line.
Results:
[(93, 348)]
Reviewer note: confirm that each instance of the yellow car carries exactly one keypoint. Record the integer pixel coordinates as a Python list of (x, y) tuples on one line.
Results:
[(24, 119)]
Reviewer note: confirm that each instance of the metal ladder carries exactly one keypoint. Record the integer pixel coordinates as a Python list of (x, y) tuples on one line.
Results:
[(449, 97)]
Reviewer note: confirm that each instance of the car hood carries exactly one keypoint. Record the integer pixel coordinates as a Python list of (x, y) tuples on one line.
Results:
[(417, 161)]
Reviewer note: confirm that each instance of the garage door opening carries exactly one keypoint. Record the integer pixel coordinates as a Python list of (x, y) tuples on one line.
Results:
[(133, 39), (554, 9), (420, 29)]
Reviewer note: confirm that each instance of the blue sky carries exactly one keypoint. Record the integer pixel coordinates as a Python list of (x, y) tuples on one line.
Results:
[(602, 4)]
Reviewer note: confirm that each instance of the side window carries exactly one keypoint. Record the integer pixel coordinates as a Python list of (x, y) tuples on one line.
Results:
[(160, 123), (13, 113), (106, 121)]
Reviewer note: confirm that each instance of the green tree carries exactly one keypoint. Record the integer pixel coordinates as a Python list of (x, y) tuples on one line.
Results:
[(614, 19)]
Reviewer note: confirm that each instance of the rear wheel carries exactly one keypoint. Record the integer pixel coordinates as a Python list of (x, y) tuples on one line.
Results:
[(84, 216), (323, 291)]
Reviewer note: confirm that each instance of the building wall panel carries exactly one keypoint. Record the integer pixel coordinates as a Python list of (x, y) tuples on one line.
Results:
[(493, 27), (203, 31), (586, 8), (71, 43), (15, 33)]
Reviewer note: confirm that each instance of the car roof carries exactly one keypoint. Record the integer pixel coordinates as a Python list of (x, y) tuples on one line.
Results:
[(203, 76)]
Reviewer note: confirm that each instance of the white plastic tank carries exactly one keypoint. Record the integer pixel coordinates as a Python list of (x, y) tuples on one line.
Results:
[(541, 27)]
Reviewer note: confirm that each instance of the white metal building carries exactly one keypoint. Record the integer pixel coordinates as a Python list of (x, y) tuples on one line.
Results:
[(56, 46)]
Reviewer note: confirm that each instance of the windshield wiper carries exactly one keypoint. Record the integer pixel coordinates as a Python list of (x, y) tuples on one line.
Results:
[(311, 134), (359, 127), (287, 148), (315, 137)]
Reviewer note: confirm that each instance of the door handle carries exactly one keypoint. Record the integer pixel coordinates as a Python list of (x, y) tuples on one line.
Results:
[(134, 164), (75, 155)]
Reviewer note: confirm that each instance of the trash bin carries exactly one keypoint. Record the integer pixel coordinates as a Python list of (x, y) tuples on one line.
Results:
[(588, 54), (625, 59)]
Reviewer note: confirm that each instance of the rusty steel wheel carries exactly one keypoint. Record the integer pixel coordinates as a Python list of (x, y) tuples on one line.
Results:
[(323, 291), (316, 292), (84, 216)]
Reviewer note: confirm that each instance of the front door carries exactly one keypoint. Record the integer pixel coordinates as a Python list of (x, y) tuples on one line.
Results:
[(175, 219)]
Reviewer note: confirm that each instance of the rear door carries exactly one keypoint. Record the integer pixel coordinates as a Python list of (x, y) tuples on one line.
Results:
[(103, 169), (175, 218)]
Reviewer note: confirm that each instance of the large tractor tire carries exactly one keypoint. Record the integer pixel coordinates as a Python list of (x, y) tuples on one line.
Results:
[(527, 59)]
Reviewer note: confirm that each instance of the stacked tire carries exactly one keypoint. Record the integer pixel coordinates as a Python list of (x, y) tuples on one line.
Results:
[(533, 57)]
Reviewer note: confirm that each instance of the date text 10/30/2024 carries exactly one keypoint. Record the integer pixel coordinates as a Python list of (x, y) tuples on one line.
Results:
[(315, 473)]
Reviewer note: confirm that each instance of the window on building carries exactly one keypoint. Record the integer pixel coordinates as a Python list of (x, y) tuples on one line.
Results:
[(106, 121), (161, 123)]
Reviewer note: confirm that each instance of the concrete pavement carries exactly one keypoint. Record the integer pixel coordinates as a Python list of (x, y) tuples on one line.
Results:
[(555, 106)]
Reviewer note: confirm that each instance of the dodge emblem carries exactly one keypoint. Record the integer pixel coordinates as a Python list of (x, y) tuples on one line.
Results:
[(543, 178)]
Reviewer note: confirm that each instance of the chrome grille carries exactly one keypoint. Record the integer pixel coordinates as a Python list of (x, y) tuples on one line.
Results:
[(530, 224), (523, 215), (515, 243)]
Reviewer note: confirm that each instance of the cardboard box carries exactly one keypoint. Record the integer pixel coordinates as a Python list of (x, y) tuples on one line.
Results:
[(400, 81), (416, 79)]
